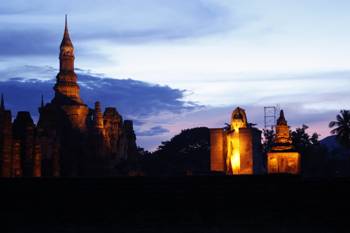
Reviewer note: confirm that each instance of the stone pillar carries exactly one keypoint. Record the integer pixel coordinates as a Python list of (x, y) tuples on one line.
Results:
[(113, 124), (129, 134), (98, 118), (37, 158), (23, 130), (16, 159), (6, 143), (28, 149)]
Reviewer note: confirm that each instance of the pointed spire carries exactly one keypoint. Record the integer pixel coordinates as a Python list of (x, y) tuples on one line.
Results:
[(281, 120), (2, 106), (66, 87), (65, 23), (66, 41)]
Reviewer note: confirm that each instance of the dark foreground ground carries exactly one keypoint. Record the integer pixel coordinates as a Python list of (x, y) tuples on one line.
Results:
[(181, 204)]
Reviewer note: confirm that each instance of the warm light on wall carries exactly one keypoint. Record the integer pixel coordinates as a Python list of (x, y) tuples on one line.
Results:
[(283, 162), (235, 161), (234, 148)]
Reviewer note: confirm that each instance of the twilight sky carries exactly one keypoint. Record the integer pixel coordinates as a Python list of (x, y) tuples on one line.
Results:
[(176, 64)]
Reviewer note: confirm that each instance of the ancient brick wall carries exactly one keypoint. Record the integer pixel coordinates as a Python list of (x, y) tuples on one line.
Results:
[(218, 150)]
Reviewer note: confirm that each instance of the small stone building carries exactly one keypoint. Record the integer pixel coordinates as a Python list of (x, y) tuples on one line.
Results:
[(237, 149), (283, 158)]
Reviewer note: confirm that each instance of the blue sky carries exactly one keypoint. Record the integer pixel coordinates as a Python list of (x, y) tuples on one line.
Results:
[(170, 65)]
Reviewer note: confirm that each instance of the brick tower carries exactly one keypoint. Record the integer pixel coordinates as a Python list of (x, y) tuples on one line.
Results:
[(67, 91)]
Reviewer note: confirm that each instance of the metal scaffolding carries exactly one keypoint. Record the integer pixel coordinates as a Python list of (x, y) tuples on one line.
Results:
[(270, 113)]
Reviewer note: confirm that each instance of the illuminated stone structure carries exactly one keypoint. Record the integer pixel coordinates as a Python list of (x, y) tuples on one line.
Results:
[(69, 139), (67, 91), (236, 150), (283, 158)]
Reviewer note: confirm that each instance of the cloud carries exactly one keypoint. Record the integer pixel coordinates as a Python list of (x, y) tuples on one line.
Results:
[(317, 89), (134, 99), (14, 42), (29, 72), (25, 94), (35, 27), (140, 21), (154, 131)]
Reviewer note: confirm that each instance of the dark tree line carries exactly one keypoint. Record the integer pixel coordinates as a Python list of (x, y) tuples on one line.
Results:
[(187, 153)]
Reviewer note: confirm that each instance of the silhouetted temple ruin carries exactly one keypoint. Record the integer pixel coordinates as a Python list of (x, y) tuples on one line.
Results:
[(70, 139)]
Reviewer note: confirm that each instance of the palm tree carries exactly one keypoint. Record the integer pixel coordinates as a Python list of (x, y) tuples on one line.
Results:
[(342, 130)]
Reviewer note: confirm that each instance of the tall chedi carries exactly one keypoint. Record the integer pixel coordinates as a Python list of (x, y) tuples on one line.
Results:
[(62, 124), (73, 139), (67, 91)]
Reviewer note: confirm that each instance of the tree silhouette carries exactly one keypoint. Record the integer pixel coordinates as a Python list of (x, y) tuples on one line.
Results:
[(313, 154), (342, 128), (301, 139), (269, 135), (186, 153)]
